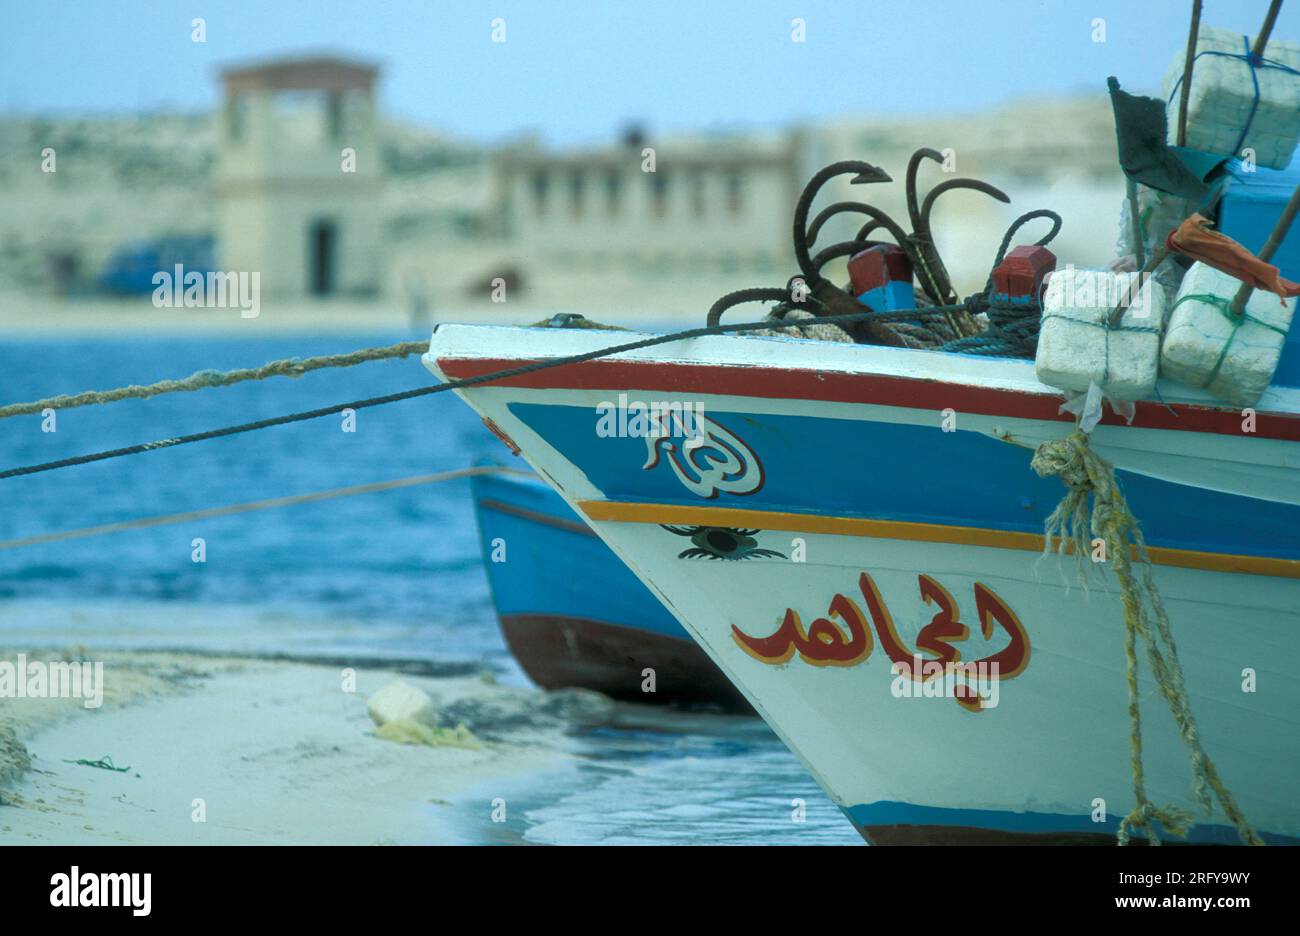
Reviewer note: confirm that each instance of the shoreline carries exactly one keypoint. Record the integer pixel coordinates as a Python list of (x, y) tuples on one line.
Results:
[(36, 317), (248, 750)]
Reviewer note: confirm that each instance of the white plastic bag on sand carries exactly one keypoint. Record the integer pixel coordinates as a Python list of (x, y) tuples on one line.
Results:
[(1206, 347), (400, 701), (1223, 100), (1077, 347)]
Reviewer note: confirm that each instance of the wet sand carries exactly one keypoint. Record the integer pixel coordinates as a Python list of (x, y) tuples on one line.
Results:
[(265, 752)]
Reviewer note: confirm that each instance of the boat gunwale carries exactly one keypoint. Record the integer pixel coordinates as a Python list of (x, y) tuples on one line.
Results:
[(891, 380)]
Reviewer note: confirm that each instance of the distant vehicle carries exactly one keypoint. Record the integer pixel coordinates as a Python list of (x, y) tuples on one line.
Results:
[(130, 270)]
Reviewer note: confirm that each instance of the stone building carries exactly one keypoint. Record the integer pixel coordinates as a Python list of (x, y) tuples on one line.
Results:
[(641, 227), (680, 206), (298, 176)]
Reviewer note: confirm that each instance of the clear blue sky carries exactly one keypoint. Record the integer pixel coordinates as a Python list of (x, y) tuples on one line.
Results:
[(577, 70)]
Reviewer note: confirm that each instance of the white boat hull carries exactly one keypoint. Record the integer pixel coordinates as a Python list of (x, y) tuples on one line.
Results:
[(939, 543)]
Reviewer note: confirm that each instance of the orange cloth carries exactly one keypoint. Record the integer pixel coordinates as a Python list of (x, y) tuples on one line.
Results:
[(1195, 239)]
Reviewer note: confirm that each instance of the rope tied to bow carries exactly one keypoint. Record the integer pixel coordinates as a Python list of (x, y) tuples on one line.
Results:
[(1094, 507)]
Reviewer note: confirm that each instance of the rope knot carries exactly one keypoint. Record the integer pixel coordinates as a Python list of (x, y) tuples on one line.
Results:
[(1146, 816), (1064, 458)]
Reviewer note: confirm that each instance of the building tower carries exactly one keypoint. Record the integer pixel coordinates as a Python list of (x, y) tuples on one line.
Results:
[(298, 176)]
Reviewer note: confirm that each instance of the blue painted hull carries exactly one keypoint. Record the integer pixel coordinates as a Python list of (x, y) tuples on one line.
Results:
[(866, 477), (573, 614)]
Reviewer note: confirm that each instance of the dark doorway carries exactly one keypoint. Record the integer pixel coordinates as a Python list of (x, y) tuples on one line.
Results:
[(322, 241)]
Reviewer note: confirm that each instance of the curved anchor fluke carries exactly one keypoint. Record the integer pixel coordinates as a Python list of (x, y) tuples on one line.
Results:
[(913, 167), (842, 249), (973, 184), (866, 229), (878, 219), (921, 247), (863, 173), (740, 296)]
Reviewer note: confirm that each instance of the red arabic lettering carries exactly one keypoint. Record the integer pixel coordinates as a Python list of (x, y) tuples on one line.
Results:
[(823, 644), (826, 644), (1014, 657)]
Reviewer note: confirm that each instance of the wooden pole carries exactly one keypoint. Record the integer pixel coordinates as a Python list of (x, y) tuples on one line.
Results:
[(1267, 29), (1270, 247), (1148, 270), (1135, 221), (1238, 307), (1187, 71)]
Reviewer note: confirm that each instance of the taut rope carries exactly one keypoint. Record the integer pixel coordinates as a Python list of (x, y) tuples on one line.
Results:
[(202, 380), (207, 513)]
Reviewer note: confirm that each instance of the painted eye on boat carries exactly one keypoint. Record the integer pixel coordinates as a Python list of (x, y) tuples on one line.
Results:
[(721, 543)]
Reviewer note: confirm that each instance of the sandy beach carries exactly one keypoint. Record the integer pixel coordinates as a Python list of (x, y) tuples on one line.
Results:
[(230, 750)]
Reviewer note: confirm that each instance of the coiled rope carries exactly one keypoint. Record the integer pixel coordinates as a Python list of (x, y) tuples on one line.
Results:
[(1013, 327), (1073, 525)]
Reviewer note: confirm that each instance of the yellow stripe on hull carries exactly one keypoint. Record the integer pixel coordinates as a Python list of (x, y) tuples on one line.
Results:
[(681, 514)]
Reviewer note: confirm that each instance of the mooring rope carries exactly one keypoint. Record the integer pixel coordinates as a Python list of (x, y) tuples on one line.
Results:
[(1073, 525), (268, 504), (202, 380), (505, 374)]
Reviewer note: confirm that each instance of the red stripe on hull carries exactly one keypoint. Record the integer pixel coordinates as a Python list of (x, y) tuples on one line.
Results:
[(878, 389)]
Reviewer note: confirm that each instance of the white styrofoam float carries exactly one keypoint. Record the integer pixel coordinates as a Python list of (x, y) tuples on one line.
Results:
[(1222, 101), (1205, 347), (1078, 348)]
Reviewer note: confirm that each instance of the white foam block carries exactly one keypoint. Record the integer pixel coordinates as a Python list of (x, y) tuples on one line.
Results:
[(1203, 347), (1076, 349), (1223, 92)]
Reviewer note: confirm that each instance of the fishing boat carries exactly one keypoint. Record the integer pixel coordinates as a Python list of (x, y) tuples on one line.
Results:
[(573, 615), (911, 537), (867, 559)]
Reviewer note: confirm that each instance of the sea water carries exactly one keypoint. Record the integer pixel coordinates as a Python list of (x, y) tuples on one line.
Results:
[(390, 575)]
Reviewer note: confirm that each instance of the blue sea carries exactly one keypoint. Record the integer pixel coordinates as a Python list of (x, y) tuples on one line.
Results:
[(390, 575)]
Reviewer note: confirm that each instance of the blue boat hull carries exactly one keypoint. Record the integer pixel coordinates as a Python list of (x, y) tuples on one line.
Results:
[(573, 614)]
